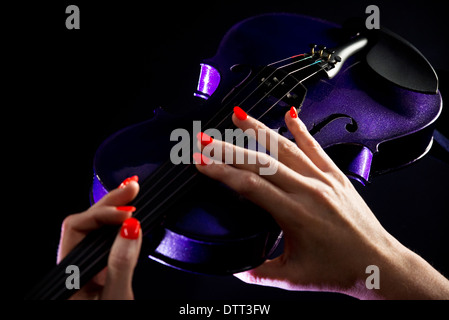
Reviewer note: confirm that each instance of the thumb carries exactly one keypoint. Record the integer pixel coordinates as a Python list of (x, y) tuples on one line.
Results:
[(271, 273), (122, 261)]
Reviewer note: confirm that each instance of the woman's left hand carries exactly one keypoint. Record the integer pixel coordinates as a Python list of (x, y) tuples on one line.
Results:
[(113, 282)]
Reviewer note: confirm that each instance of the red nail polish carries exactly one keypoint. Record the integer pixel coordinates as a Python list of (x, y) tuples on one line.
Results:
[(239, 113), (204, 138), (126, 208), (293, 112), (127, 181), (199, 158), (130, 228)]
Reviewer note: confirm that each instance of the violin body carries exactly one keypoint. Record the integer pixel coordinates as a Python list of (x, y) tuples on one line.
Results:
[(368, 118), (371, 102)]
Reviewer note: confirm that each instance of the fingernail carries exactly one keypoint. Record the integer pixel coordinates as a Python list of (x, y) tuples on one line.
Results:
[(199, 158), (130, 228), (204, 138), (126, 208), (127, 181), (239, 113), (293, 112)]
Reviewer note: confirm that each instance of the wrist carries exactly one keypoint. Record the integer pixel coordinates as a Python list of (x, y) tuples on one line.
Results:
[(402, 275)]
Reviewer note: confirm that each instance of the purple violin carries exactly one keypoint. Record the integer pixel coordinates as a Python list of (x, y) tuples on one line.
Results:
[(368, 97)]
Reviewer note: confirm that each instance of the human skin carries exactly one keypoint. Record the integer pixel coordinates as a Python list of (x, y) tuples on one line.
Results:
[(331, 235), (115, 281)]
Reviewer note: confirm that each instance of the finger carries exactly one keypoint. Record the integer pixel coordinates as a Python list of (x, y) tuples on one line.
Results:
[(122, 261), (95, 217), (75, 227), (256, 162), (281, 148), (110, 210), (120, 196), (307, 143), (254, 188)]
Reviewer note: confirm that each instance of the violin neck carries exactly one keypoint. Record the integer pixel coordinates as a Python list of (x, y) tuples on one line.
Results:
[(89, 256)]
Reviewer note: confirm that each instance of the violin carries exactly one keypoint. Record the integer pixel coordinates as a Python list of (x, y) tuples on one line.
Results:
[(367, 96)]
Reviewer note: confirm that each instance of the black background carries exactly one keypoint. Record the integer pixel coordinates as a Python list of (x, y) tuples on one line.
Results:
[(80, 86)]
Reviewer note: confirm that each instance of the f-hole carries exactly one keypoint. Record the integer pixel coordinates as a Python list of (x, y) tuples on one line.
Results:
[(350, 127)]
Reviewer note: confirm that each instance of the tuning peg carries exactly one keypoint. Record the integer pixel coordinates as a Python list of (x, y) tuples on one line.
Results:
[(312, 48), (321, 50), (329, 54)]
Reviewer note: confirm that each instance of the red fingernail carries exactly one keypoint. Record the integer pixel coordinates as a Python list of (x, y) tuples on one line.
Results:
[(293, 112), (199, 158), (126, 208), (127, 181), (239, 113), (130, 228), (204, 138)]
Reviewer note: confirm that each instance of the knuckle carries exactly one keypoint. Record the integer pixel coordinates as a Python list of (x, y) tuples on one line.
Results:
[(249, 183), (323, 193), (120, 260), (264, 159), (311, 143), (341, 180), (336, 179), (68, 223), (259, 127), (292, 153), (289, 149), (308, 141)]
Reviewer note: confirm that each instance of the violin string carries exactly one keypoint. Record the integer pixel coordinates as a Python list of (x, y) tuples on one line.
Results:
[(54, 279), (165, 173), (274, 87), (149, 214), (225, 106), (268, 77), (299, 82), (90, 252), (280, 82), (155, 184), (153, 209)]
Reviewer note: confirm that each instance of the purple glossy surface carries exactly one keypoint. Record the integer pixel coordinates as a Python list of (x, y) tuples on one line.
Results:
[(379, 111)]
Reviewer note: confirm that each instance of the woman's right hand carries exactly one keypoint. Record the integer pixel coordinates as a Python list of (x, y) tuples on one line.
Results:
[(331, 236)]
